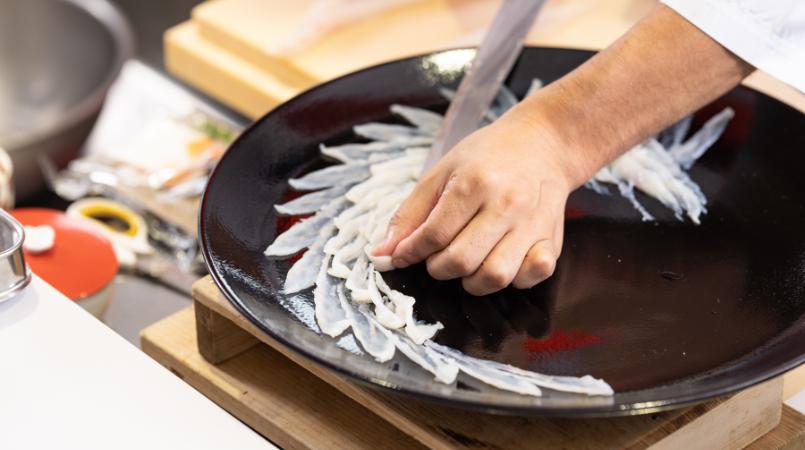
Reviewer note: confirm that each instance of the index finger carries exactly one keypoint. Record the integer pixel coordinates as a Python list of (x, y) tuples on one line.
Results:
[(410, 214), (453, 211)]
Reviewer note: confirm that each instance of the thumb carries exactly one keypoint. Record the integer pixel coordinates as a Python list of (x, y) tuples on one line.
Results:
[(410, 215)]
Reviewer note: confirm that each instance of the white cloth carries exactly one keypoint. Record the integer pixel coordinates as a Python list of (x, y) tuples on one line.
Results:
[(769, 34)]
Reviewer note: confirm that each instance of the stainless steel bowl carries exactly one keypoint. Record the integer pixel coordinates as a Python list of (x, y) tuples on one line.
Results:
[(57, 60), (14, 273)]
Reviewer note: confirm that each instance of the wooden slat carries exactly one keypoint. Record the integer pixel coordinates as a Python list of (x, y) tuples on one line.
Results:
[(788, 435), (762, 402), (794, 382), (249, 29), (218, 338), (741, 418), (277, 398), (236, 82), (247, 385)]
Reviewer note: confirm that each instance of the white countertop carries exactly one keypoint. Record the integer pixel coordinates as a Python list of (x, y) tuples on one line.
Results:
[(69, 382)]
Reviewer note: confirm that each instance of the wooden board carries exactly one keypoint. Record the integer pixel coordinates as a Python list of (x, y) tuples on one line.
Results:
[(277, 398), (285, 403), (788, 435), (223, 51), (231, 80), (729, 423), (251, 28)]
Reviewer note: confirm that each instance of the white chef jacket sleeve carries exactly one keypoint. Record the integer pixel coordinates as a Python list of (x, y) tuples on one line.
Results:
[(769, 34)]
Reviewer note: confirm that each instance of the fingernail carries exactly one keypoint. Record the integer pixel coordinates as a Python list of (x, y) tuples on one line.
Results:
[(382, 247), (399, 263)]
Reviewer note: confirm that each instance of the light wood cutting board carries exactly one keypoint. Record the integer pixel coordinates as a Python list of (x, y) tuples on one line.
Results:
[(250, 28), (224, 50)]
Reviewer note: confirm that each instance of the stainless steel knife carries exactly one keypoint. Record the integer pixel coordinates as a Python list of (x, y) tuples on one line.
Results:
[(493, 61)]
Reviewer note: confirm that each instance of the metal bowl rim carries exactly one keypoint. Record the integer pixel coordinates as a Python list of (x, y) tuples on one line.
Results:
[(114, 22)]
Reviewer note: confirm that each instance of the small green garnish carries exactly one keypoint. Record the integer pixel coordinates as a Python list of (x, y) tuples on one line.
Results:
[(216, 131)]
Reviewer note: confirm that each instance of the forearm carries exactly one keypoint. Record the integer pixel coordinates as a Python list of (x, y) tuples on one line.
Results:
[(660, 71)]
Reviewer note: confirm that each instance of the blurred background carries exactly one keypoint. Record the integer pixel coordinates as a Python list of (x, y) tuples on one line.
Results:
[(149, 20), (82, 176)]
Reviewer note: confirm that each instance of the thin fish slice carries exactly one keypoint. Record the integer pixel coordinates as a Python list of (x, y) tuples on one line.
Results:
[(687, 153), (360, 191), (344, 255), (381, 156), (675, 134), (627, 191), (536, 84), (343, 154), (310, 203), (331, 176), (347, 232), (382, 312), (330, 316), (338, 269), (597, 187), (357, 281), (303, 272), (304, 233), (582, 385), (346, 238), (367, 148), (370, 197), (419, 332), (586, 384), (652, 170), (357, 153), (449, 94), (351, 251), (376, 230), (411, 163), (605, 175), (300, 236), (373, 341), (497, 378), (426, 121), (503, 102), (386, 132), (632, 169), (443, 369)]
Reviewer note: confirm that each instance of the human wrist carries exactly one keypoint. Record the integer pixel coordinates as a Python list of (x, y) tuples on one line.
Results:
[(549, 120)]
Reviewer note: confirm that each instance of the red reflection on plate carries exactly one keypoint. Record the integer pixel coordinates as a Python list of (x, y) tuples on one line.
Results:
[(561, 341), (572, 212)]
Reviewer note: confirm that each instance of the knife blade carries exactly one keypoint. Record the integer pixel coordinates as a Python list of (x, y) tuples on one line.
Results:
[(493, 61)]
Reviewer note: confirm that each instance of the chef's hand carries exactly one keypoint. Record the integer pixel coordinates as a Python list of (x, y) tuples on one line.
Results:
[(491, 211)]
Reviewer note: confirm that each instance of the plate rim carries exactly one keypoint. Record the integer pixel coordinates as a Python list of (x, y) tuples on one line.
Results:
[(690, 398)]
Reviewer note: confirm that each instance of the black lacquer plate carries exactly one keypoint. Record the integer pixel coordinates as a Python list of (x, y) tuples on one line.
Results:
[(669, 313)]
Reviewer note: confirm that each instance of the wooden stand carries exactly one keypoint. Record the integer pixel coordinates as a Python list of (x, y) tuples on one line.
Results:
[(299, 405)]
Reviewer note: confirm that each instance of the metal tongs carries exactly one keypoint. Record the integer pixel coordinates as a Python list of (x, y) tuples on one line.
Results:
[(493, 61)]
